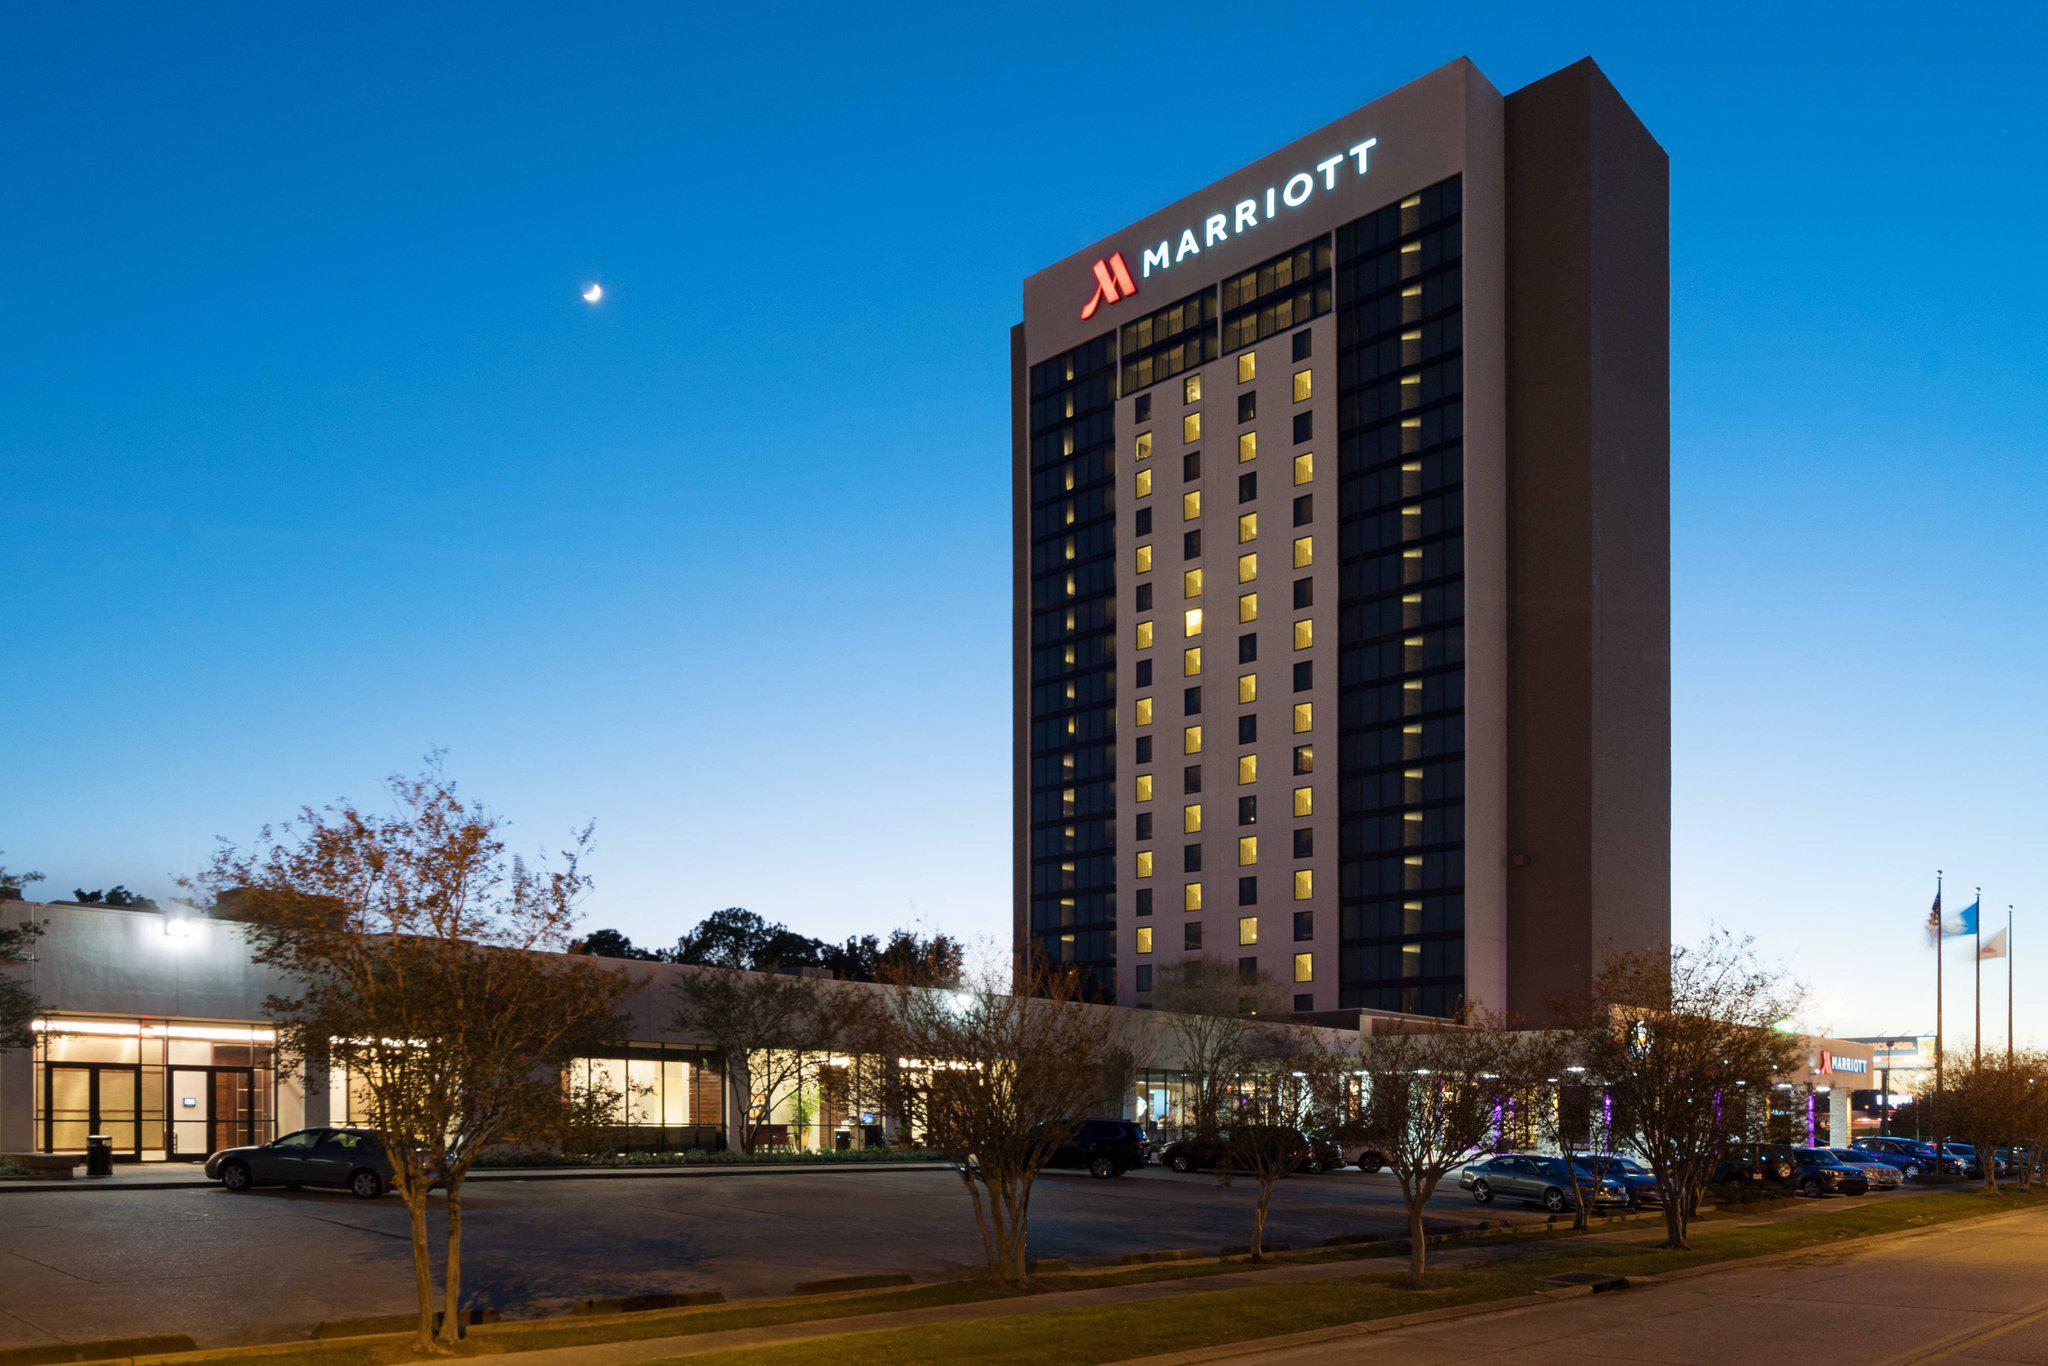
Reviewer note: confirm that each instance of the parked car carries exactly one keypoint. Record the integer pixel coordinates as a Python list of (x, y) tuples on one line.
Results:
[(1910, 1158), (1324, 1155), (1638, 1182), (1545, 1180), (1103, 1147), (1817, 1172), (1367, 1158), (353, 1159), (1198, 1154), (1883, 1176)]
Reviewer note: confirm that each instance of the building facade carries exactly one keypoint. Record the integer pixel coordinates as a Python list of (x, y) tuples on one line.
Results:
[(1342, 564)]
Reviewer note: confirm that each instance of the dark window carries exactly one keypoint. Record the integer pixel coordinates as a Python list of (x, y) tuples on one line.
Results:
[(1304, 676), (1191, 466), (1144, 524), (1141, 411), (1144, 825), (1191, 858), (1248, 969), (1191, 778), (1247, 891), (1160, 345), (1304, 926), (1247, 406), (1247, 487), (1301, 343), (1247, 729), (1191, 935), (1191, 545), (1247, 810), (1304, 1002), (1144, 749), (1247, 648), (1304, 594), (1144, 977), (1304, 426), (1144, 901), (1304, 509), (1144, 597), (1304, 758), (1191, 701), (1144, 673), (1304, 843)]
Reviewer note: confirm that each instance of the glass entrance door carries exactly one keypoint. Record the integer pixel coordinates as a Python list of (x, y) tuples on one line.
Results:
[(82, 1099), (210, 1108)]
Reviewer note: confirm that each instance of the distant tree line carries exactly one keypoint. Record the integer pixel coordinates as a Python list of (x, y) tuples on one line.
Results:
[(741, 939)]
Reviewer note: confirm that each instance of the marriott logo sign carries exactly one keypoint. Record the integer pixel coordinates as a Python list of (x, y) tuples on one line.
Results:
[(1113, 279)]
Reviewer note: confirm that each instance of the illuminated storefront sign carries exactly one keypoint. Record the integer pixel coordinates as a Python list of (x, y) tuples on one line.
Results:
[(1829, 1064), (1112, 282), (1243, 216)]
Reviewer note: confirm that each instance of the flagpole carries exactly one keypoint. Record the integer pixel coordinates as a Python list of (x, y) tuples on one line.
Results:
[(1934, 1110), (1977, 1036), (2008, 986)]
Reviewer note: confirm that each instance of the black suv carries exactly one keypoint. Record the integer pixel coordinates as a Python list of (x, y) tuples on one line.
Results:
[(1105, 1147), (1810, 1171)]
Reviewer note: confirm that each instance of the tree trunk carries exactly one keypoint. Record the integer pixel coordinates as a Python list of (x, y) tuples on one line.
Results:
[(422, 1266), (1418, 1243), (451, 1271), (991, 1260), (1259, 1218)]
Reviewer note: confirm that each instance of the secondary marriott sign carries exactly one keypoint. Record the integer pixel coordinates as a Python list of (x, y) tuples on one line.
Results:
[(1247, 214)]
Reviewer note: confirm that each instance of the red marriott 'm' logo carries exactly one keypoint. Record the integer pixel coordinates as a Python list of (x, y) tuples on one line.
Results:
[(1112, 282)]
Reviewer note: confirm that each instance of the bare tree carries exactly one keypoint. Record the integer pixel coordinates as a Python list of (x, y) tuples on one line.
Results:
[(18, 1003), (417, 951), (1211, 1014), (775, 1030), (1987, 1100), (994, 1081), (1434, 1098), (2030, 1119), (1687, 1046), (1561, 1097), (1289, 1092)]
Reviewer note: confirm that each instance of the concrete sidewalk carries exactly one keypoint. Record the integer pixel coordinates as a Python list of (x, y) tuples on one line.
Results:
[(187, 1176)]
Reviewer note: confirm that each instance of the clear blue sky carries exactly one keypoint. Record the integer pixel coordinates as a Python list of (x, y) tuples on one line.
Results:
[(312, 460)]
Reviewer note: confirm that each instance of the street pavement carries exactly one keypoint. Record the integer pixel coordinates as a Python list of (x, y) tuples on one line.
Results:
[(1974, 1293), (91, 1264)]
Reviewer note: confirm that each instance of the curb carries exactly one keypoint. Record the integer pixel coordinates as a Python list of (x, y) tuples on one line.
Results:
[(96, 1350), (27, 1186)]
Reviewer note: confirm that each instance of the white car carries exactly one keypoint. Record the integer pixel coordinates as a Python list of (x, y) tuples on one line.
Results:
[(1883, 1176)]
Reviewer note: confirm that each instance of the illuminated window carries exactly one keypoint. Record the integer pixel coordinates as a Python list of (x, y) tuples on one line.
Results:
[(1191, 389), (1304, 758), (1144, 483), (1247, 446), (1144, 787), (1247, 929), (1191, 897), (1191, 661), (1247, 687), (1248, 607), (1304, 551), (1144, 559), (1247, 527), (1247, 850), (1144, 450), (1144, 635), (1191, 428), (1191, 818), (1144, 711), (1191, 584), (1302, 383), (1248, 566), (1304, 801), (1304, 634), (1247, 768), (1247, 367), (1191, 740), (1304, 467), (1193, 627), (1304, 717), (1304, 967), (1304, 884), (1144, 863), (1190, 505), (1145, 942)]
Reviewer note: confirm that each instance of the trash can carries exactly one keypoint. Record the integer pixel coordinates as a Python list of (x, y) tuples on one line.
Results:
[(99, 1155)]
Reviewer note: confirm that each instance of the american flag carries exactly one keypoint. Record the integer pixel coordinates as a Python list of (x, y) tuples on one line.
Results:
[(1934, 921)]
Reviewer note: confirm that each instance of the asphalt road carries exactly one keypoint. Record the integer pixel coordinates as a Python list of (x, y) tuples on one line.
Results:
[(78, 1265), (1970, 1294)]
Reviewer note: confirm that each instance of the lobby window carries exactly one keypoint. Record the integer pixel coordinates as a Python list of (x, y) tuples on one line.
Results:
[(1304, 926), (1247, 527), (1144, 711), (1191, 818), (1248, 566), (1247, 446), (1247, 929), (1144, 484), (1304, 967), (1304, 758), (1191, 428), (1194, 623), (1304, 883), (1144, 635), (1191, 740), (1247, 687), (1248, 607), (1247, 850), (1144, 559), (1304, 633), (1304, 801), (1143, 449), (1191, 583), (1144, 863), (1191, 389), (1144, 787), (1191, 933), (1191, 661), (1304, 551), (1303, 380), (1144, 939), (1191, 900), (1247, 367), (1247, 768), (1304, 717), (1304, 467), (1190, 505)]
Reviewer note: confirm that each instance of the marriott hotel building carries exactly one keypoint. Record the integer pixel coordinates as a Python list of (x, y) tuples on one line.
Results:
[(1342, 563)]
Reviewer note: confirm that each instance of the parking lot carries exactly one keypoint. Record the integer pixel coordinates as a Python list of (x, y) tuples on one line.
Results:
[(240, 1268)]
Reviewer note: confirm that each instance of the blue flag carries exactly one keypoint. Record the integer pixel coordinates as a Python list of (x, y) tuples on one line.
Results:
[(1950, 926)]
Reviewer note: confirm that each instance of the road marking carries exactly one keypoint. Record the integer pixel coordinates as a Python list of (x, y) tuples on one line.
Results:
[(1971, 1337)]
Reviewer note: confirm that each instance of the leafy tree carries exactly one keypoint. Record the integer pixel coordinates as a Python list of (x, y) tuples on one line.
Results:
[(613, 944), (119, 896), (907, 957), (18, 1004), (775, 1031), (739, 939), (15, 882), (1986, 1100), (1682, 1043), (421, 958)]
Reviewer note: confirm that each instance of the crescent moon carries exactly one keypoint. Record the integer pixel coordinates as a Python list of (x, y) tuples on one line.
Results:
[(594, 293)]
